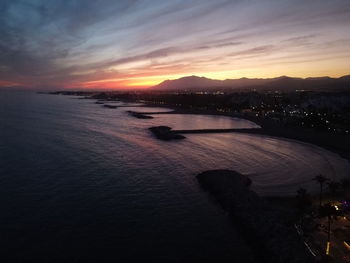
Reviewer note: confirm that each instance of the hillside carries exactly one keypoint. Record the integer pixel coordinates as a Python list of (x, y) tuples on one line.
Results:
[(282, 83)]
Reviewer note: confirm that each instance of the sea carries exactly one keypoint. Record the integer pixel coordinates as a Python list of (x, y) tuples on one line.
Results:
[(83, 183)]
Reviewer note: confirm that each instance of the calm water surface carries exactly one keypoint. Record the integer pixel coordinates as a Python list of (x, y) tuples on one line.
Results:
[(83, 183)]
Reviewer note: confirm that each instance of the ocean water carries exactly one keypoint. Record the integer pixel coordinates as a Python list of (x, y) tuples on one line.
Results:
[(83, 183)]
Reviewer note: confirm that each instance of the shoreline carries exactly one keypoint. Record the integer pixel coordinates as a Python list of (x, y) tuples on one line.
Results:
[(336, 143), (264, 221)]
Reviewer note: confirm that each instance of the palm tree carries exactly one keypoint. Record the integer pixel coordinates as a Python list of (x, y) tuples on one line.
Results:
[(321, 180)]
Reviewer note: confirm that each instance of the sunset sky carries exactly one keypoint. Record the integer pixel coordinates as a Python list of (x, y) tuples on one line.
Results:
[(139, 43)]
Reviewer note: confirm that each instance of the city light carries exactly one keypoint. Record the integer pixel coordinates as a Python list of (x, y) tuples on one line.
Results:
[(328, 248)]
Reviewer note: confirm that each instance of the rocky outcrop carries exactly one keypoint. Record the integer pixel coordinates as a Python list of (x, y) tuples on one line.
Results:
[(110, 106), (260, 223), (139, 115), (165, 133)]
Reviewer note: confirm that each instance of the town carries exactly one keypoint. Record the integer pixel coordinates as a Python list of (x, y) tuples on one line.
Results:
[(320, 111)]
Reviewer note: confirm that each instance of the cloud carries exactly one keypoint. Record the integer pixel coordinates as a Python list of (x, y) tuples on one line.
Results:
[(71, 42)]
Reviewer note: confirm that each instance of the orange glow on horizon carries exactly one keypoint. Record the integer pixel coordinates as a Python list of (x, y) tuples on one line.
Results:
[(149, 79), (144, 82), (213, 39), (4, 83)]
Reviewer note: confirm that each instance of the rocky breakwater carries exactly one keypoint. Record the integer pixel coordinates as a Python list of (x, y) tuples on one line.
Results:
[(260, 223), (139, 115), (165, 133), (110, 106)]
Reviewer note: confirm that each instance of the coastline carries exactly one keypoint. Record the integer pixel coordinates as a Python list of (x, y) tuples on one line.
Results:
[(336, 143), (265, 207)]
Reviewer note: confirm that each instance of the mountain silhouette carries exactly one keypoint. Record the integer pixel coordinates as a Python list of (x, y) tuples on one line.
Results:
[(283, 83)]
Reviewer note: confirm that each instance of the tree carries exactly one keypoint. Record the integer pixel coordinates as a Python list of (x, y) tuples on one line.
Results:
[(321, 180)]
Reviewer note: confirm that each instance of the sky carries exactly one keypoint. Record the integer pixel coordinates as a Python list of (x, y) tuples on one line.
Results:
[(107, 44)]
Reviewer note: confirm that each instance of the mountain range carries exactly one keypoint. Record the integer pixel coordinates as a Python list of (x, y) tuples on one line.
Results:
[(283, 83)]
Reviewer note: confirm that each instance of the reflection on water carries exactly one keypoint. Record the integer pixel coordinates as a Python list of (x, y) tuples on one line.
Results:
[(82, 181), (147, 109), (276, 166), (190, 121)]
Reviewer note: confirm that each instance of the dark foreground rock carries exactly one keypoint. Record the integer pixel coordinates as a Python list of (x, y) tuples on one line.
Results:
[(165, 133), (271, 239)]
